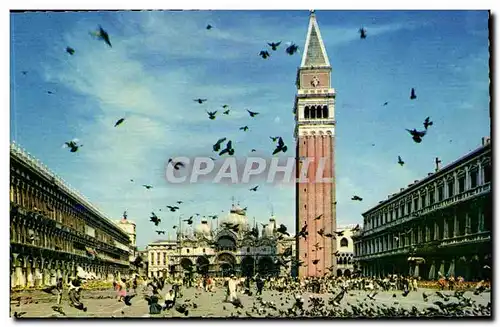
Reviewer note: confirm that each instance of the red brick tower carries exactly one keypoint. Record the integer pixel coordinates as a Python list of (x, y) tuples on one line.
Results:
[(314, 132)]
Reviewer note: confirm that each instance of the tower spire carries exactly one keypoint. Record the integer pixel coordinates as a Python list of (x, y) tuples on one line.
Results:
[(314, 50)]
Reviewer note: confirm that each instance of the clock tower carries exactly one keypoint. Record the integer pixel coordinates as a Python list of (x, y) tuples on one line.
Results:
[(315, 137)]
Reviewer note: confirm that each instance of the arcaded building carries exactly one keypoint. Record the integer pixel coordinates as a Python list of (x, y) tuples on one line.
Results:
[(54, 229), (315, 144), (442, 223), (221, 251)]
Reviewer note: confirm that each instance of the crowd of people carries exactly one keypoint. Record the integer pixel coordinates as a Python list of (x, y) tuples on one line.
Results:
[(152, 288)]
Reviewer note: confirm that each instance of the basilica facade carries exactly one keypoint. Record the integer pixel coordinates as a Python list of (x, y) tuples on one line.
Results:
[(243, 250)]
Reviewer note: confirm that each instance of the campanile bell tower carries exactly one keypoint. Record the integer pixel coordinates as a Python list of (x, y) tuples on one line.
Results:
[(315, 135)]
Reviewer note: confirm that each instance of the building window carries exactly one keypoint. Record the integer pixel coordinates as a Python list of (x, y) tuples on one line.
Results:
[(440, 193), (344, 242), (325, 112), (396, 212), (431, 197), (204, 250), (450, 189), (306, 112), (248, 250), (415, 204), (164, 258), (187, 250), (487, 173), (408, 207), (461, 184), (313, 113), (473, 179), (423, 201), (402, 210)]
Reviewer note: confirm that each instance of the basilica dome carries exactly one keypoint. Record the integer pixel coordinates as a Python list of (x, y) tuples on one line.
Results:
[(237, 216), (203, 230), (270, 228)]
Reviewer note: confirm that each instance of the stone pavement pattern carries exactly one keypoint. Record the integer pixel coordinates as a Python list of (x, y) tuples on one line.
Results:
[(209, 304)]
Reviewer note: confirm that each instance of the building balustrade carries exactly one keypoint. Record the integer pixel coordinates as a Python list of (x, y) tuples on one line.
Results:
[(429, 246), (464, 196)]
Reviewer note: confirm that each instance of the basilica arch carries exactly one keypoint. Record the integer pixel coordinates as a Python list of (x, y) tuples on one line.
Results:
[(202, 265), (226, 263), (247, 266), (186, 264)]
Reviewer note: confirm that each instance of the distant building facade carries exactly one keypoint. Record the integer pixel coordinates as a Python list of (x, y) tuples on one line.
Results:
[(54, 229), (442, 223), (129, 227), (345, 248), (222, 251)]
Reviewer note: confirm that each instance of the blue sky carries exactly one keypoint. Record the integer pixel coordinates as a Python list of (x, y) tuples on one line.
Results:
[(161, 61)]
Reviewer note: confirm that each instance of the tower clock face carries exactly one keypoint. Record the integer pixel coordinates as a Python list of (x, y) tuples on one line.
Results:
[(315, 81)]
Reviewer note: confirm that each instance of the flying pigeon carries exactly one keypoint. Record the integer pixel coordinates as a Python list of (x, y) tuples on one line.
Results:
[(147, 186), (72, 145), (274, 46), (417, 135), (400, 161), (427, 122), (216, 146), (70, 50), (362, 33), (121, 120), (319, 217), (226, 112), (160, 232), (254, 188), (280, 147), (264, 54), (177, 165), (103, 35), (189, 220), (356, 198), (291, 49), (244, 128), (413, 96), (211, 115), (200, 101), (385, 103), (172, 208), (252, 114), (229, 149), (154, 219)]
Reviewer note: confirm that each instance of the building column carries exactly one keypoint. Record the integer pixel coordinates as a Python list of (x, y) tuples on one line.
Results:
[(451, 270), (436, 230), (467, 178), (455, 225), (445, 228), (467, 223), (53, 277), (432, 271), (46, 276), (19, 276), (441, 268), (480, 223), (416, 272), (29, 276), (38, 279), (480, 173)]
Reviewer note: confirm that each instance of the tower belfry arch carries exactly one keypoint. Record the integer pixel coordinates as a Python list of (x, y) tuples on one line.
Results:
[(315, 139)]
